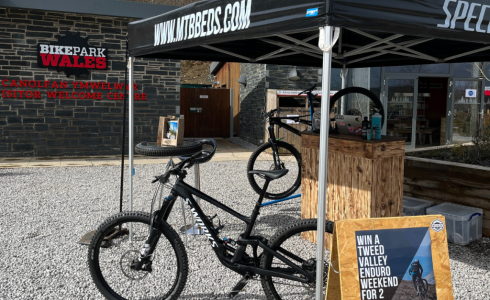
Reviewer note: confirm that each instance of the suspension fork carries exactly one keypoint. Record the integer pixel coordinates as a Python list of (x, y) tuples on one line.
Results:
[(154, 237), (275, 153)]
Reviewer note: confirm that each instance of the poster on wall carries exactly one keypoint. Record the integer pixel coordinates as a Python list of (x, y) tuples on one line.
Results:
[(390, 258)]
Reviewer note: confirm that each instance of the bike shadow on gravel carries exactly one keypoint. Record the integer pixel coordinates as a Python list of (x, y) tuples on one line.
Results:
[(14, 174), (277, 220), (210, 296)]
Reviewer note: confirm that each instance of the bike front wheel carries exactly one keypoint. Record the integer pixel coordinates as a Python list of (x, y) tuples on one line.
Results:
[(288, 158), (110, 260), (295, 243)]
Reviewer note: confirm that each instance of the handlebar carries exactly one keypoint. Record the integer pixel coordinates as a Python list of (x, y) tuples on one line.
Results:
[(308, 90), (187, 162)]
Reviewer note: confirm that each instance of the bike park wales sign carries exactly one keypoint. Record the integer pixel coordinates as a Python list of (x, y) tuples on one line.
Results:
[(71, 54), (390, 258)]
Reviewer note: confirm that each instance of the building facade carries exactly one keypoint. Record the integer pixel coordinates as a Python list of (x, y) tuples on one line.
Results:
[(74, 106), (429, 105)]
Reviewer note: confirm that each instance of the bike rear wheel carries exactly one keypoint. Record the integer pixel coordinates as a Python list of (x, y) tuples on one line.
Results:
[(291, 243), (110, 262), (421, 289), (262, 159)]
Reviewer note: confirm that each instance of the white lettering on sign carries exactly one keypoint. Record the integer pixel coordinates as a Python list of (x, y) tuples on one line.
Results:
[(295, 93), (374, 272), (70, 50), (204, 96), (467, 11), (208, 22)]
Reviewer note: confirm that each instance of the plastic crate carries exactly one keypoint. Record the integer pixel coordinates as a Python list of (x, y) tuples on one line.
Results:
[(415, 206), (463, 223)]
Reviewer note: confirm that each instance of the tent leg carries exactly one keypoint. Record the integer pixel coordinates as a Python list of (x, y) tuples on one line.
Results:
[(322, 176), (131, 138), (343, 75)]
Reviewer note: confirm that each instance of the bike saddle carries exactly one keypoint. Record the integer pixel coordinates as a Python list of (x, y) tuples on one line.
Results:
[(270, 175)]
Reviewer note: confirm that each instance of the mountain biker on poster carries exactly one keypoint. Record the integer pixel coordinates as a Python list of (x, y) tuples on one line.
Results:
[(416, 271)]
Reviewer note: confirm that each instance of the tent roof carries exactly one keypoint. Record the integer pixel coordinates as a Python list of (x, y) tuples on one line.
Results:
[(285, 32)]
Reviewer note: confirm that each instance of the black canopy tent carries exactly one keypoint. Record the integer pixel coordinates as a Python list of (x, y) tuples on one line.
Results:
[(286, 32)]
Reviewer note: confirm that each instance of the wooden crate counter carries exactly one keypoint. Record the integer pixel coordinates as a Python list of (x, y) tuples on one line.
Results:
[(365, 178)]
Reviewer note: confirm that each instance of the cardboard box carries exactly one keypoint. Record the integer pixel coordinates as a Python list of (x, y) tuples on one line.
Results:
[(170, 134)]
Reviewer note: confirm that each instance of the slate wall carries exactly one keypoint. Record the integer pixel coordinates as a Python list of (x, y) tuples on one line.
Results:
[(54, 126), (252, 103), (253, 96)]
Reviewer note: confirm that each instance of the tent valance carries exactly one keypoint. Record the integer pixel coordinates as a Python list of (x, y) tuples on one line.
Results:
[(375, 33)]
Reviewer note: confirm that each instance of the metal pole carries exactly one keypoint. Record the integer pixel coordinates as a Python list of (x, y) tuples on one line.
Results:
[(131, 139), (124, 131), (322, 174), (343, 75)]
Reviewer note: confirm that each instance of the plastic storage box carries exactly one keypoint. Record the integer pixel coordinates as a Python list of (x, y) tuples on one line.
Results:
[(463, 223), (414, 206)]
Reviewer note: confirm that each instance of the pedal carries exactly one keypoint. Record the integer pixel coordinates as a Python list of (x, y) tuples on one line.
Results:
[(239, 286)]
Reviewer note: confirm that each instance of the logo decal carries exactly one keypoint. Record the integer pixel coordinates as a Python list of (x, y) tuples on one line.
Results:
[(71, 54), (218, 20), (437, 225), (466, 15), (312, 12), (201, 224)]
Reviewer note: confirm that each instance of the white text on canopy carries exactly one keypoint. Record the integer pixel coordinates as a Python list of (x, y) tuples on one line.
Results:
[(236, 16)]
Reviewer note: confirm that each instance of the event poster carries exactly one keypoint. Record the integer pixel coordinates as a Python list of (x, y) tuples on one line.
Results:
[(395, 264)]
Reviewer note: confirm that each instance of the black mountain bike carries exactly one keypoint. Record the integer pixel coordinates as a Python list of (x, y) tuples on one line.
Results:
[(149, 261), (278, 155), (422, 287)]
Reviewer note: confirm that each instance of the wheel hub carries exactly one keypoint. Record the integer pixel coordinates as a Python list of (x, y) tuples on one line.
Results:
[(127, 262)]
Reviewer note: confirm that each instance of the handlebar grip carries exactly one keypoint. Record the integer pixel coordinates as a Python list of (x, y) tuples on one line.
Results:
[(201, 156)]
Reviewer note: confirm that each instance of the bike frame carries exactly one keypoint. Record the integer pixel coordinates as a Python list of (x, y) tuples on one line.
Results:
[(185, 191), (277, 121)]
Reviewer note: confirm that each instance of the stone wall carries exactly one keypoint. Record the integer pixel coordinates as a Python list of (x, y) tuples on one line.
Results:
[(253, 96), (252, 103), (277, 77), (53, 126)]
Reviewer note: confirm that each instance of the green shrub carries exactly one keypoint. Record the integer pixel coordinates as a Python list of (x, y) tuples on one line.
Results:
[(477, 154)]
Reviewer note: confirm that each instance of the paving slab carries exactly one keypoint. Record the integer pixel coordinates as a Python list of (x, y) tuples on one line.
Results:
[(13, 165), (44, 162)]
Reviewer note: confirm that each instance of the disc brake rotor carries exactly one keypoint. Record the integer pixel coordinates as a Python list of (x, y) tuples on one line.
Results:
[(125, 263)]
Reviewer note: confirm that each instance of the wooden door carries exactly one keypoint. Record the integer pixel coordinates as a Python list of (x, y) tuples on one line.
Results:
[(206, 111)]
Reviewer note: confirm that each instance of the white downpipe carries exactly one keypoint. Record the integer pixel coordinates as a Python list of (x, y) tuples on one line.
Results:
[(343, 75), (322, 173), (131, 138)]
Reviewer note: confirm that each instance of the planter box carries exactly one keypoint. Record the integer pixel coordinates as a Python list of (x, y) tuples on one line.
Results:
[(442, 181)]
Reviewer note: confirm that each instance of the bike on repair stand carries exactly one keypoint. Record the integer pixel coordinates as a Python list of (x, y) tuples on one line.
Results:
[(278, 155), (151, 261)]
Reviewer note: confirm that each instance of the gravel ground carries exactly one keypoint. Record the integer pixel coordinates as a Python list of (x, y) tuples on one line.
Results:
[(45, 211)]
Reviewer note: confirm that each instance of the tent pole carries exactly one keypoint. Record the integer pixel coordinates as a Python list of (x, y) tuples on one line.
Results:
[(131, 138), (322, 174), (343, 75)]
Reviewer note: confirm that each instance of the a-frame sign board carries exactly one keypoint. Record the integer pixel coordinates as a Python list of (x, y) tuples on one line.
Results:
[(390, 258)]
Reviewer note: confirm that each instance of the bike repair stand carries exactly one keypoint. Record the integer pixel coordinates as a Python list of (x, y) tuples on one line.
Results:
[(193, 229)]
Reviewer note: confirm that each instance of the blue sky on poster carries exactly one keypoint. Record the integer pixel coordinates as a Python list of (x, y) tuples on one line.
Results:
[(424, 255)]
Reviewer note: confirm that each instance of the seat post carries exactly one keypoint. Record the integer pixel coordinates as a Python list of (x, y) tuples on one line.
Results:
[(256, 210)]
